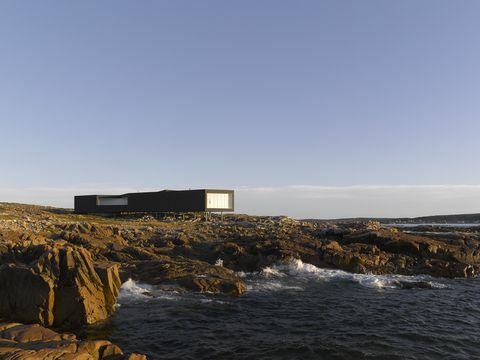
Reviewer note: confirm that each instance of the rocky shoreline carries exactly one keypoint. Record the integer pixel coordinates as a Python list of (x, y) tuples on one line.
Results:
[(62, 270), (19, 342)]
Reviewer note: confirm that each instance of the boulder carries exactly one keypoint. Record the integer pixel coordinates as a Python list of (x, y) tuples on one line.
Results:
[(110, 277), (25, 295), (191, 274), (136, 356), (212, 284), (61, 287), (34, 342), (448, 269)]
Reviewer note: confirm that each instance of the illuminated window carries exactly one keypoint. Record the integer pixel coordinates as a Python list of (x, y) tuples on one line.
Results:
[(219, 200)]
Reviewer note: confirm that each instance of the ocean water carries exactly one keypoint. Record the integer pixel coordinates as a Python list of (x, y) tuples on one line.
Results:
[(299, 311), (445, 225)]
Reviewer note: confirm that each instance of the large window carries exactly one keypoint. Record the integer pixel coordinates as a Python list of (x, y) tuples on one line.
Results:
[(110, 200), (219, 201)]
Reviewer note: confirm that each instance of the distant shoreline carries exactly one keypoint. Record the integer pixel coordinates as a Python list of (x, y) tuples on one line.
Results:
[(472, 219)]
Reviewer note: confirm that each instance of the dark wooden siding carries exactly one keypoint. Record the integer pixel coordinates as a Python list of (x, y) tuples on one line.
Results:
[(160, 201)]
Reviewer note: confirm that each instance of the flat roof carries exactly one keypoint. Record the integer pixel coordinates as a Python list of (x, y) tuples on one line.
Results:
[(154, 192)]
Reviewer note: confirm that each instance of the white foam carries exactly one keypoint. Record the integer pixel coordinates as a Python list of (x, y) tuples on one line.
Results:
[(213, 301), (241, 274), (272, 286), (272, 272), (304, 271), (297, 267), (219, 262), (131, 290)]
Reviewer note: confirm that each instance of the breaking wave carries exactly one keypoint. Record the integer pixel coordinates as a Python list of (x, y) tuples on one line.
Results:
[(132, 290), (296, 310), (280, 276), (293, 275)]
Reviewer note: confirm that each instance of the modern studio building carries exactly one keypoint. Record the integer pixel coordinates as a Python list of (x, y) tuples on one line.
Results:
[(165, 201)]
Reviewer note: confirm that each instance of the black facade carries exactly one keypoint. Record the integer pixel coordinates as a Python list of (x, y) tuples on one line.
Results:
[(165, 201)]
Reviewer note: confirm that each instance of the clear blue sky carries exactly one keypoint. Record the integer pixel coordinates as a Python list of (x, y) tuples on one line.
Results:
[(244, 94)]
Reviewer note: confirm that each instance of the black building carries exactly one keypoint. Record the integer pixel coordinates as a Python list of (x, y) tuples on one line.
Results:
[(165, 201)]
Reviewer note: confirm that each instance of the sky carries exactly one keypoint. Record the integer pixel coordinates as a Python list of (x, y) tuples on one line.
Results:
[(310, 108)]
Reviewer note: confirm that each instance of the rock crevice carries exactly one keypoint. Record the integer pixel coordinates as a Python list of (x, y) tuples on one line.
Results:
[(60, 287)]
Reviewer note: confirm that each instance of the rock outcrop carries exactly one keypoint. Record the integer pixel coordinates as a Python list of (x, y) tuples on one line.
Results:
[(34, 342), (62, 269), (193, 275), (56, 286)]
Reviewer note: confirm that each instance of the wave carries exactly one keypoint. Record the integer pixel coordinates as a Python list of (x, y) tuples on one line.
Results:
[(271, 286), (297, 269), (132, 290), (292, 275)]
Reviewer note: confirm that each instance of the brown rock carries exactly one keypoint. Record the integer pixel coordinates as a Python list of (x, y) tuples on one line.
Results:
[(210, 284), (60, 288), (135, 356), (34, 342), (193, 275), (29, 333), (25, 295), (110, 278), (181, 239)]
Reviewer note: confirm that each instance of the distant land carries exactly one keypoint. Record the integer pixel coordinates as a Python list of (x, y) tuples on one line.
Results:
[(433, 219)]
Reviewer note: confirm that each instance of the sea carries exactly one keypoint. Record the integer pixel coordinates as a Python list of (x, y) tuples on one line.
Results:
[(295, 310)]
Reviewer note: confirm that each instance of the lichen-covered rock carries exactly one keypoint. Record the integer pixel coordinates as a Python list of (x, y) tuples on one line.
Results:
[(60, 287)]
